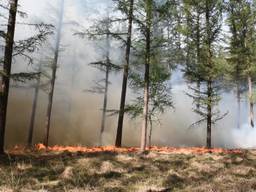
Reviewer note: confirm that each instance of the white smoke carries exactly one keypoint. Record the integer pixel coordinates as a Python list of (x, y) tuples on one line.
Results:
[(244, 137)]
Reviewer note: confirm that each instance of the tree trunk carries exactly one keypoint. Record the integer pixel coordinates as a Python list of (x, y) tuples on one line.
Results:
[(150, 132), (105, 102), (198, 56), (209, 81), (169, 57), (33, 113), (238, 96), (146, 76), (7, 70), (125, 78), (54, 70), (209, 114), (250, 95), (198, 86)]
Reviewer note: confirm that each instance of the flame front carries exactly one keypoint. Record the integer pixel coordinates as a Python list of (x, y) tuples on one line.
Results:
[(168, 150), (175, 150)]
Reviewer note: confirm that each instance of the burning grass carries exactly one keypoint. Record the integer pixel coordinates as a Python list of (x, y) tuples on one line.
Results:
[(74, 149), (112, 169)]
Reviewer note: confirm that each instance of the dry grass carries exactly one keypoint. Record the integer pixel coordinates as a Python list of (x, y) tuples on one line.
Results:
[(115, 172)]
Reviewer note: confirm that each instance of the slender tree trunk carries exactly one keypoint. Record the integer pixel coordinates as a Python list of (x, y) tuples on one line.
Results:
[(169, 59), (145, 111), (33, 112), (105, 102), (198, 39), (150, 132), (209, 81), (250, 95), (198, 86), (54, 70), (7, 70), (125, 78), (188, 48), (146, 76), (238, 96), (209, 114)]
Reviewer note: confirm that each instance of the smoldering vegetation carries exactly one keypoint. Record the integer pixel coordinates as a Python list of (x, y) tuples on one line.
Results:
[(76, 114)]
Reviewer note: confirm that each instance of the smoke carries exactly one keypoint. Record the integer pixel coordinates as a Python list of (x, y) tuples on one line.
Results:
[(244, 137)]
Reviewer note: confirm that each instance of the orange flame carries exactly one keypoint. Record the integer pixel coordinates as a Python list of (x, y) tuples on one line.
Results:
[(175, 150), (167, 150)]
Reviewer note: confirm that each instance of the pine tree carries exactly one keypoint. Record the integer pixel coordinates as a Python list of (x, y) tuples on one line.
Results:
[(148, 28), (5, 83), (150, 69), (192, 29), (34, 108), (53, 76), (207, 64), (125, 75), (105, 31)]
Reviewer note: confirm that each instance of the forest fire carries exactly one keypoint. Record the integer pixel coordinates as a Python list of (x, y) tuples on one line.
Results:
[(164, 150), (127, 95)]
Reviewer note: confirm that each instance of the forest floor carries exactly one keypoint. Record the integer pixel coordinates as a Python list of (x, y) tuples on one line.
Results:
[(117, 171)]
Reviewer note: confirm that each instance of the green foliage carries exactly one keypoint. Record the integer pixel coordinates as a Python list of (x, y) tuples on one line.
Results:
[(160, 71), (159, 91), (205, 63), (241, 21)]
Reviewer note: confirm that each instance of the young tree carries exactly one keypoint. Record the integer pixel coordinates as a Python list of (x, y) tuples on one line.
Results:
[(34, 108), (104, 31), (213, 16), (53, 76), (118, 142), (148, 28), (159, 94), (208, 66), (152, 77)]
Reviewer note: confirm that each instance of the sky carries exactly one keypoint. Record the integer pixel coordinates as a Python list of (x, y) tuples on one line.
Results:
[(76, 113)]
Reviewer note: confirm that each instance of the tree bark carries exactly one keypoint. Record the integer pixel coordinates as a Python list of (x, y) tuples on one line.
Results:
[(238, 97), (146, 76), (150, 132), (250, 95), (33, 112), (209, 114), (198, 56), (54, 70), (209, 80), (125, 78), (198, 86), (7, 70)]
